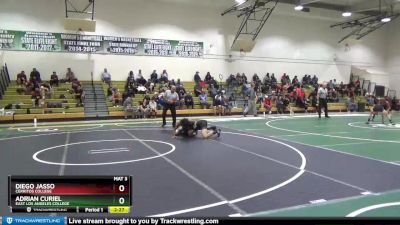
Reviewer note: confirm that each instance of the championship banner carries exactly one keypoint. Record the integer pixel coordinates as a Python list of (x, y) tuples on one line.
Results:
[(97, 44)]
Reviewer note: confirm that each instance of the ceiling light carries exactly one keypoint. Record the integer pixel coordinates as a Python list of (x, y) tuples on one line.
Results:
[(386, 19), (240, 1), (346, 14), (298, 8)]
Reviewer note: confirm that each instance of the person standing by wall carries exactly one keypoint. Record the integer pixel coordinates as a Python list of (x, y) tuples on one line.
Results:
[(170, 98), (106, 77), (322, 101), (252, 101), (35, 75), (70, 76)]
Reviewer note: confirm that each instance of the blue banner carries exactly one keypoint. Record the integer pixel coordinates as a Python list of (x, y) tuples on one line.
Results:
[(37, 220)]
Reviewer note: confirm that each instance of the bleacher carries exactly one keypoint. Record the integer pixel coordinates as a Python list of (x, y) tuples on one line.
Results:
[(189, 86), (24, 110), (17, 105)]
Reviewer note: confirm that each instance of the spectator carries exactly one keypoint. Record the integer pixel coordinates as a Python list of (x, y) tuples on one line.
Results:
[(35, 85), (131, 90), (214, 82), (154, 77), (312, 98), (304, 81), (255, 78), (180, 87), (181, 95), (213, 91), (244, 78), (35, 75), (150, 86), (70, 76), (197, 77), (129, 108), (259, 97), (341, 89), (130, 86), (267, 79), (232, 100), (395, 103), (370, 100), (54, 79), (267, 105), (21, 78), (228, 105), (218, 105), (106, 77), (139, 76), (42, 102), (357, 83), (333, 95), (352, 105), (280, 106), (295, 80), (274, 82), (189, 100), (283, 79), (35, 96), (46, 91), (197, 90), (330, 84), (171, 83), (239, 79), (207, 78), (314, 80), (141, 81), (131, 78), (252, 102), (203, 100), (79, 96), (75, 84), (179, 83), (153, 107), (246, 89), (300, 98), (116, 98), (144, 108), (231, 81), (164, 77)]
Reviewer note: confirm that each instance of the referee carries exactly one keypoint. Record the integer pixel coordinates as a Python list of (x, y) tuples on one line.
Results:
[(170, 98), (322, 102)]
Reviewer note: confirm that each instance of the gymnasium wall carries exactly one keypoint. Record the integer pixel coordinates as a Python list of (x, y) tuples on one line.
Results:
[(293, 42), (393, 55)]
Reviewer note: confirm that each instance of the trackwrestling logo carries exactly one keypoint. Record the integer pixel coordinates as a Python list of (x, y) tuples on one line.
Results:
[(21, 220)]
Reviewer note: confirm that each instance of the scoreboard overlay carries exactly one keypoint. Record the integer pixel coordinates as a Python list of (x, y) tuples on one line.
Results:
[(70, 194)]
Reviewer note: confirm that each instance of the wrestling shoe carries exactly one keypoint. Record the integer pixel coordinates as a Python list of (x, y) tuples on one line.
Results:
[(218, 132)]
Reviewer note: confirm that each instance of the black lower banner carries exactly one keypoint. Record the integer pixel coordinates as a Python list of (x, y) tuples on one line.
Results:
[(227, 221)]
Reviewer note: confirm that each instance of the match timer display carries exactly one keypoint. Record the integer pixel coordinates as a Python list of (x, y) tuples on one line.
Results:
[(74, 194)]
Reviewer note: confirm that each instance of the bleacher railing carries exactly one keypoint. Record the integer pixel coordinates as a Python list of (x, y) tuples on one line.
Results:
[(4, 80)]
